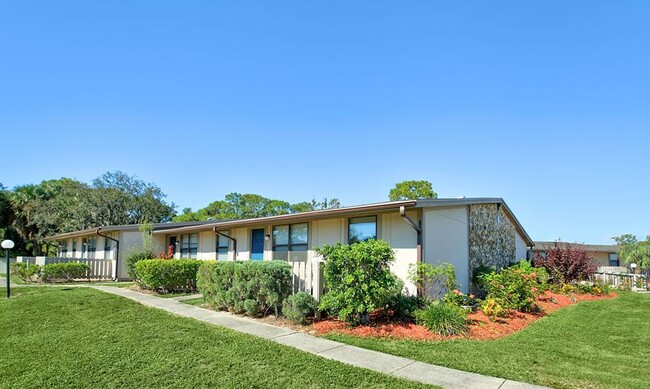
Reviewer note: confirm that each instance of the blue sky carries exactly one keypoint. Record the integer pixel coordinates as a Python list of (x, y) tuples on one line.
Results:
[(545, 104)]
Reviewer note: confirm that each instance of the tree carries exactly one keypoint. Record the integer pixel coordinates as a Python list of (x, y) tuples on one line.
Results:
[(118, 198), (411, 190), (64, 205), (245, 206), (634, 251)]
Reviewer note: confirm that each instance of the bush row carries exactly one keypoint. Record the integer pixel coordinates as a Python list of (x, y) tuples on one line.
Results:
[(167, 275), (53, 272), (251, 287)]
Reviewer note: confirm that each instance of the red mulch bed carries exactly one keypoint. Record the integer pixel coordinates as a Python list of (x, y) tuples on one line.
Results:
[(481, 327)]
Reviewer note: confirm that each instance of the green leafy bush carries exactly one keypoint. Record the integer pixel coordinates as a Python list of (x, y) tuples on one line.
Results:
[(358, 279), (443, 318), (515, 287), (401, 306), (434, 281), (167, 275), (65, 271), (299, 307), (133, 258), (251, 287), (25, 272)]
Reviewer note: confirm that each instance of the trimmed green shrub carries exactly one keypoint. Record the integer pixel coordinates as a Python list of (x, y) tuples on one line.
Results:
[(443, 318), (299, 307), (66, 271), (133, 258), (358, 279), (251, 287), (24, 271), (168, 275)]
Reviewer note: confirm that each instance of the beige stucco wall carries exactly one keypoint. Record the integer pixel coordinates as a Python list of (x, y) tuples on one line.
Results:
[(520, 247), (129, 242), (445, 238), (403, 239)]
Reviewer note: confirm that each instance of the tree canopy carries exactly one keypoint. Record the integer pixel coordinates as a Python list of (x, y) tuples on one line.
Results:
[(63, 205), (411, 190), (634, 251), (245, 206)]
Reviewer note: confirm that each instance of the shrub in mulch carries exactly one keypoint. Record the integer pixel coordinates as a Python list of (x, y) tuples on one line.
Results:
[(481, 326)]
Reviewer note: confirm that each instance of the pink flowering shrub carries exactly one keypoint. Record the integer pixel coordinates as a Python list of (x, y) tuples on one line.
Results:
[(516, 287)]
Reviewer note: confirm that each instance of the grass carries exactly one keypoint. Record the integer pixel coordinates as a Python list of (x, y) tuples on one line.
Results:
[(80, 337), (602, 343), (197, 301)]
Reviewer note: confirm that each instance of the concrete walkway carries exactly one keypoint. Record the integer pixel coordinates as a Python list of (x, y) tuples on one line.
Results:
[(355, 356)]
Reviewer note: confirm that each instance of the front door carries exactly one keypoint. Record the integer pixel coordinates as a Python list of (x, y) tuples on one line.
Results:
[(257, 244)]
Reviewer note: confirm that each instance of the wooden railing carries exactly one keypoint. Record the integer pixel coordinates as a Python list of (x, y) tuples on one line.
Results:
[(634, 282)]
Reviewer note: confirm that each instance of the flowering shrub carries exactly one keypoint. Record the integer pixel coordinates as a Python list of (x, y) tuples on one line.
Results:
[(492, 308), (566, 264), (459, 298), (515, 287)]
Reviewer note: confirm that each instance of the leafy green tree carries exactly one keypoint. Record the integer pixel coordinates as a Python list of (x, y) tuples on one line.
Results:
[(119, 198), (634, 251), (245, 206), (64, 205), (411, 190)]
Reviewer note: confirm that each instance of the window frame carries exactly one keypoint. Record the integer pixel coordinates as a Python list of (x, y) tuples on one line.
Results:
[(609, 258), (108, 245), (189, 252), (363, 217), (64, 249), (290, 245), (92, 247), (220, 248)]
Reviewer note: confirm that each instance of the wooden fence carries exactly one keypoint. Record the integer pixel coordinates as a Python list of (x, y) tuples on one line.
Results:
[(634, 282)]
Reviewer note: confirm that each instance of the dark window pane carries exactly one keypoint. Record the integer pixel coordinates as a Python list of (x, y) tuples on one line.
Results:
[(280, 235), (281, 252), (299, 233), (362, 228)]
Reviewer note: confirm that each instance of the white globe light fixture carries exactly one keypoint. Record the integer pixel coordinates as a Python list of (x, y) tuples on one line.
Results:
[(7, 244)]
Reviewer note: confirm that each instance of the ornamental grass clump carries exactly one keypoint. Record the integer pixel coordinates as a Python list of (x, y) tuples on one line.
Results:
[(443, 318)]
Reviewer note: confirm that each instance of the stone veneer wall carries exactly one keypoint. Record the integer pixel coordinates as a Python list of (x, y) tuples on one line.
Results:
[(490, 243)]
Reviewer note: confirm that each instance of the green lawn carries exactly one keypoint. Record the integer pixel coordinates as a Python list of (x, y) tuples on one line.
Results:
[(592, 344), (55, 337)]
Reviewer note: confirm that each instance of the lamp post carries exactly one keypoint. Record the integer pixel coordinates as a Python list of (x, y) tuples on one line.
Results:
[(8, 244)]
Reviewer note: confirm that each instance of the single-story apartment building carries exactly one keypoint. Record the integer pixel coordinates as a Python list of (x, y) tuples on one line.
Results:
[(605, 255), (466, 232)]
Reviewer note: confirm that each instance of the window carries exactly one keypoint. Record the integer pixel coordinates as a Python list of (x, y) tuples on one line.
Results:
[(74, 247), (189, 245), (290, 242), (64, 248), (84, 247), (108, 246), (223, 244), (362, 228), (92, 245), (613, 259)]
